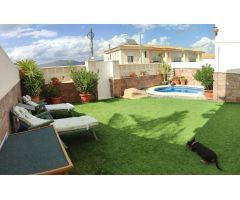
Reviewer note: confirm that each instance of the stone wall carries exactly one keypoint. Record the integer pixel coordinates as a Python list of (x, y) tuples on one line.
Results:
[(119, 85), (6, 103), (226, 87), (188, 73), (69, 93)]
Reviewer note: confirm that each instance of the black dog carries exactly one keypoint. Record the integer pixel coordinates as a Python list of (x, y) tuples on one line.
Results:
[(205, 153)]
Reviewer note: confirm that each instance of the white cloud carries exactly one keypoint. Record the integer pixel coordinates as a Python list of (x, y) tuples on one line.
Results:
[(12, 27), (145, 27), (40, 33), (154, 41), (204, 44), (50, 50), (162, 41), (69, 48), (117, 39), (18, 31), (120, 39)]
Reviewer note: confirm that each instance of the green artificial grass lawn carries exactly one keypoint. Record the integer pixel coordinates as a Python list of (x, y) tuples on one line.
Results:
[(148, 136)]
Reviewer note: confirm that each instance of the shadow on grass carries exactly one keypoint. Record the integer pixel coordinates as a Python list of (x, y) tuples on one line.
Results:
[(102, 101), (136, 144), (129, 150), (221, 133)]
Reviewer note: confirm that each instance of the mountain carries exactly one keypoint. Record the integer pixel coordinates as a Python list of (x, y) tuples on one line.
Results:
[(62, 63)]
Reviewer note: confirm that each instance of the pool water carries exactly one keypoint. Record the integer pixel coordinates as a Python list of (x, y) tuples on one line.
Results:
[(182, 89)]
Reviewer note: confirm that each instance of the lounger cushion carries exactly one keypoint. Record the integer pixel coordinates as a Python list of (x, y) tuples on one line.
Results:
[(31, 103), (74, 123), (28, 118), (27, 99), (62, 125), (61, 106), (53, 107)]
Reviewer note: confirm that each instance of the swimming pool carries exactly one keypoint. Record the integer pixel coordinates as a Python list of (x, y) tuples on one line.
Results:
[(183, 89), (190, 91)]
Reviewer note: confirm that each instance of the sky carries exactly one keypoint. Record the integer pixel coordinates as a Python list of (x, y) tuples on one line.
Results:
[(50, 42)]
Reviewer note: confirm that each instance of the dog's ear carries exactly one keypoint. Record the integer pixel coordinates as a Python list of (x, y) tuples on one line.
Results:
[(194, 139)]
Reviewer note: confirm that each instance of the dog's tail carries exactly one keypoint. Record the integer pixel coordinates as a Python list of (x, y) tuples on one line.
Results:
[(217, 164)]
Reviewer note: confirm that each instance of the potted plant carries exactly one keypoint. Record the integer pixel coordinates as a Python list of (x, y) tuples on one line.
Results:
[(26, 67), (175, 80), (85, 83), (143, 73), (55, 80), (133, 75), (205, 76), (32, 78), (54, 93), (183, 80)]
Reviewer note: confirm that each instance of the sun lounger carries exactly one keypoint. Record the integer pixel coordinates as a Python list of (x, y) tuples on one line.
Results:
[(52, 107), (63, 126)]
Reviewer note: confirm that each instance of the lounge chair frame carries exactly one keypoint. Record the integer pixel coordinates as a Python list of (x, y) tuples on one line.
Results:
[(41, 115), (41, 107)]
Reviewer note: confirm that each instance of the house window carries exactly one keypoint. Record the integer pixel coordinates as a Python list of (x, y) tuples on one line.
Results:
[(177, 59), (145, 54), (130, 59), (156, 59), (192, 60)]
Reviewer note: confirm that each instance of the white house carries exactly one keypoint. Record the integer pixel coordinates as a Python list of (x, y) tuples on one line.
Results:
[(133, 53)]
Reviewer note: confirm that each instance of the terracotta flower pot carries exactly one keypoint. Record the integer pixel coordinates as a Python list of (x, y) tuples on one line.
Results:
[(85, 97), (21, 73), (175, 81), (36, 99), (183, 82), (208, 94), (56, 82), (56, 100), (133, 75)]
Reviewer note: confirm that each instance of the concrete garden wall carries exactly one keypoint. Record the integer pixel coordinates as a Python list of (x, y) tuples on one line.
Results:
[(115, 77), (10, 92), (119, 85), (227, 70)]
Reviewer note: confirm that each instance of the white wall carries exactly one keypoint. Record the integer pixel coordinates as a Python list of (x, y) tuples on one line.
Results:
[(191, 65), (135, 53), (106, 70), (227, 48), (9, 74), (227, 57), (60, 72), (150, 69)]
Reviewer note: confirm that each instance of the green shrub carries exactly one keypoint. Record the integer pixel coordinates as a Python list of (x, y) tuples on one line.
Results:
[(205, 76), (53, 90), (27, 66), (84, 81), (33, 84), (32, 79)]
